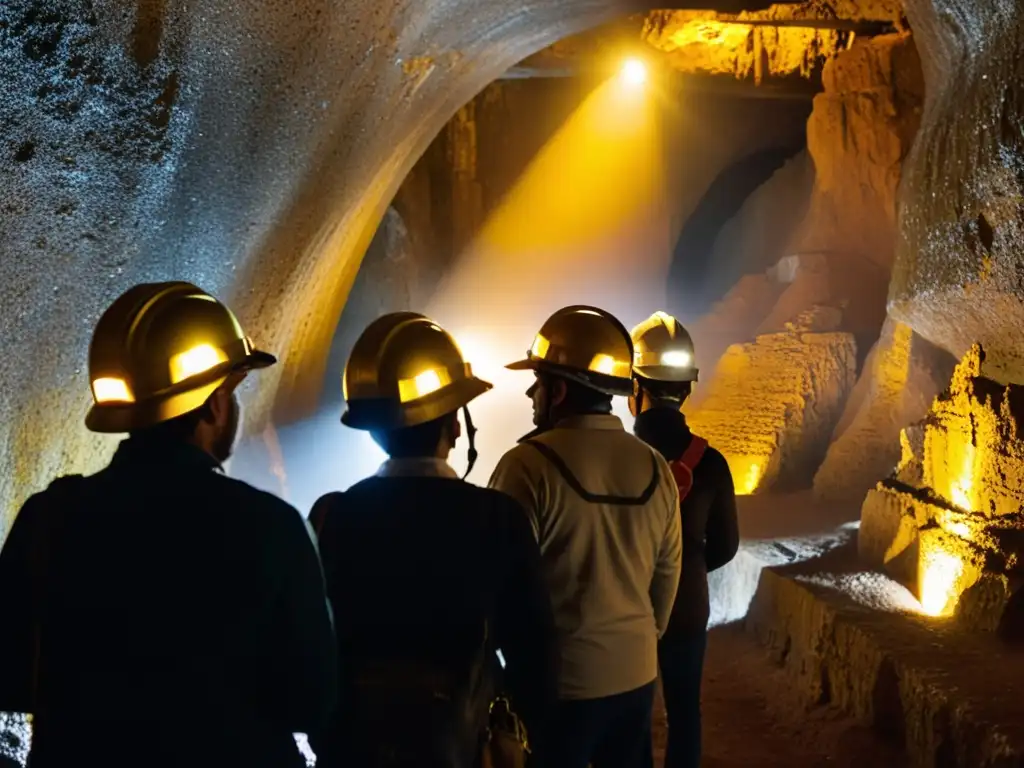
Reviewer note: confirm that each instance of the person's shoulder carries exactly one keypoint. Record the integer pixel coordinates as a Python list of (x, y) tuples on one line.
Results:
[(714, 458), (255, 504)]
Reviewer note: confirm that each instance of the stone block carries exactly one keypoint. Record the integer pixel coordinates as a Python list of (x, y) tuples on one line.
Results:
[(771, 405)]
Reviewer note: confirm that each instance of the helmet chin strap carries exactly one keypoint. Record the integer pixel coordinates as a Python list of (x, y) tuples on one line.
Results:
[(471, 434)]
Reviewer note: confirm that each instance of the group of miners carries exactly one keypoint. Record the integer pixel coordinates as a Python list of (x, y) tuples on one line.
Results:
[(159, 613)]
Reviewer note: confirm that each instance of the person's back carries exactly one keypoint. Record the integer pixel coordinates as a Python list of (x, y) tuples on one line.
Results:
[(602, 552), (165, 615), (429, 570), (166, 631), (604, 509), (429, 576), (664, 371), (708, 512)]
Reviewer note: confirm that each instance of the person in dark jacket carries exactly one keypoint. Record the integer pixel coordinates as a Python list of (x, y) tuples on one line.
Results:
[(158, 613), (664, 372), (431, 577)]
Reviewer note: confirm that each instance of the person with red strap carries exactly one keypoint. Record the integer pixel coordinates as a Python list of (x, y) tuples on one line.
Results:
[(663, 375)]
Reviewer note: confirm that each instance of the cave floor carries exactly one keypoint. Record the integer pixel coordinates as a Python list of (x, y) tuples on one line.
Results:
[(753, 716)]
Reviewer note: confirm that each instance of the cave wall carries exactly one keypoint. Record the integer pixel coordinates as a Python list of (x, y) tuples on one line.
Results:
[(958, 272), (250, 147)]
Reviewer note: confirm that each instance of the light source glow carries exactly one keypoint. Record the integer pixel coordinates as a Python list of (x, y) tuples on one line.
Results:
[(676, 359), (634, 72), (962, 487), (192, 362), (111, 390), (939, 573)]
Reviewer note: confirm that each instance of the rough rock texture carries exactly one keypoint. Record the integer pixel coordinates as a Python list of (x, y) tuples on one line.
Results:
[(957, 277), (902, 375), (696, 41), (947, 697), (702, 41), (249, 147), (860, 131), (952, 511), (771, 405)]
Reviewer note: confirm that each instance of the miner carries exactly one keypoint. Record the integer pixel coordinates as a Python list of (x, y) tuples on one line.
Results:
[(604, 508), (663, 374), (434, 581), (159, 613)]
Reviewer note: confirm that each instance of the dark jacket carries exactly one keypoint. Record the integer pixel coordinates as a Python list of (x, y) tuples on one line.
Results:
[(416, 565), (183, 618), (710, 529)]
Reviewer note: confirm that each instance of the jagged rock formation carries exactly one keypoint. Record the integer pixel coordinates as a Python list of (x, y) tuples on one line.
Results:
[(772, 404), (860, 131), (902, 375), (949, 519), (957, 278)]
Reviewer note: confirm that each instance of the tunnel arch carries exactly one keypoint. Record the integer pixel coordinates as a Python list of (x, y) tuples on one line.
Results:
[(291, 128), (688, 279)]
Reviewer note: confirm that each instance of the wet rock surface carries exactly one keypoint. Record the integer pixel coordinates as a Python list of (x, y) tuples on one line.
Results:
[(957, 274)]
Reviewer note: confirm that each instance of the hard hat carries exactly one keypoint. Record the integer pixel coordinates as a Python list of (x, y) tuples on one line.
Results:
[(405, 370), (663, 350), (584, 344), (159, 352)]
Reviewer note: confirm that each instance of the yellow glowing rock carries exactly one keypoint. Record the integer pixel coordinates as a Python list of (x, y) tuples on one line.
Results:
[(973, 452), (952, 513), (771, 405), (708, 43)]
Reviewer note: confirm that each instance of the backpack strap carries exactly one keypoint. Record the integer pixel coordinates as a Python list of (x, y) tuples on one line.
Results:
[(595, 498), (694, 453)]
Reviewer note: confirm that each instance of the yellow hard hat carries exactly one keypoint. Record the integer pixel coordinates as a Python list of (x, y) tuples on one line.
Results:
[(160, 351), (663, 350), (584, 344), (405, 370)]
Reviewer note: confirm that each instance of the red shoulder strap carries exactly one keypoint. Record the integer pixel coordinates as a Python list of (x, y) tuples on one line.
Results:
[(694, 452)]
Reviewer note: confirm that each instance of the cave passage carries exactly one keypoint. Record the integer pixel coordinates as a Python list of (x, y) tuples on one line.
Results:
[(828, 193)]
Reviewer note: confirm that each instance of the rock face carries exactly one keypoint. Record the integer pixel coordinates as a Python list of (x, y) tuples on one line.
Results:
[(949, 519), (250, 148), (860, 131), (902, 375), (957, 278), (772, 404)]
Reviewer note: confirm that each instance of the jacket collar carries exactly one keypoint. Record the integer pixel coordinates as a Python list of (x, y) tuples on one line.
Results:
[(599, 421), (137, 450), (418, 467)]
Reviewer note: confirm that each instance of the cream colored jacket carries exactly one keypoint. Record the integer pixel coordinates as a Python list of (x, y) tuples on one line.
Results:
[(607, 521)]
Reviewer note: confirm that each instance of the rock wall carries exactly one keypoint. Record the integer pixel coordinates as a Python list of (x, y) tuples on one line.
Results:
[(957, 277), (902, 375), (250, 147), (949, 518), (772, 404)]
